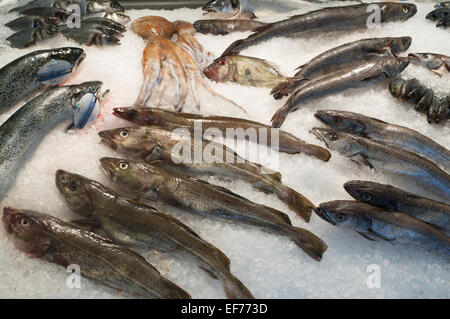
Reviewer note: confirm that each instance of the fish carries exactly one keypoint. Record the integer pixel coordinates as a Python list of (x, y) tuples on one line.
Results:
[(31, 22), (30, 36), (437, 63), (244, 70), (287, 142), (407, 167), (355, 74), (438, 14), (88, 36), (157, 146), (227, 9), (445, 4), (444, 23), (105, 22), (374, 224), (118, 17), (389, 197), (47, 12), (151, 182), (333, 59), (22, 132), (136, 225), (222, 27), (34, 4), (86, 6), (45, 237), (324, 21), (103, 6), (389, 134), (101, 27), (20, 77)]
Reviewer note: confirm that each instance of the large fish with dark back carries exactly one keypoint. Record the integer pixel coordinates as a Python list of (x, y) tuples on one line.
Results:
[(46, 237), (326, 20), (155, 183), (134, 224)]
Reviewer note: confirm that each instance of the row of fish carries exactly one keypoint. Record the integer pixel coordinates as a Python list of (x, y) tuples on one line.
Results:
[(384, 212), (97, 22), (441, 15)]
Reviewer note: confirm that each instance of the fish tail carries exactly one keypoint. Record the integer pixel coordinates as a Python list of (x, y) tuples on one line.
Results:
[(235, 289), (297, 202), (232, 49), (308, 242), (280, 90), (280, 116)]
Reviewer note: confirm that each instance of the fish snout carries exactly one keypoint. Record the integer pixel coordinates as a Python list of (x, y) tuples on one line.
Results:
[(323, 215), (107, 166), (8, 214), (107, 139), (211, 73)]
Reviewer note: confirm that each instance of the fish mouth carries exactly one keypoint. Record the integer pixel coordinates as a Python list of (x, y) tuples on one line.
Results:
[(105, 167), (324, 215), (321, 116), (8, 212), (125, 113), (80, 59), (106, 140), (316, 132), (414, 57)]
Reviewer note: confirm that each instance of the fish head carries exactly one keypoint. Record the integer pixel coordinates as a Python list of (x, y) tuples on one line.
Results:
[(401, 44), (136, 115), (391, 12), (118, 17), (222, 6), (219, 70), (372, 193), (70, 54), (79, 90), (393, 66), (344, 143), (341, 120), (428, 60), (27, 231), (340, 213), (75, 191), (127, 174), (103, 6)]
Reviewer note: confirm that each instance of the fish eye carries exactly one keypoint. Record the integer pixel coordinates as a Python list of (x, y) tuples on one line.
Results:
[(73, 186), (426, 56), (333, 136), (405, 9), (123, 165), (336, 120), (405, 42), (222, 62), (25, 222), (341, 217), (366, 197), (124, 133)]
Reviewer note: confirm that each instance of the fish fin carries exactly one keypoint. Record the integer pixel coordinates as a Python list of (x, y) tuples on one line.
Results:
[(235, 289), (361, 159), (209, 272), (312, 245), (56, 258), (380, 236), (300, 67), (366, 236), (282, 215), (90, 224)]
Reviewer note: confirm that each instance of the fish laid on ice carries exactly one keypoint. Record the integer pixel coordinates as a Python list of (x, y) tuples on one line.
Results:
[(46, 237), (389, 197), (222, 27), (86, 6), (20, 133), (374, 223), (438, 63), (29, 36), (390, 134), (287, 142), (227, 9), (155, 183), (355, 74), (326, 20), (244, 70), (157, 146), (88, 36), (26, 74), (134, 224), (32, 22), (408, 167), (339, 56)]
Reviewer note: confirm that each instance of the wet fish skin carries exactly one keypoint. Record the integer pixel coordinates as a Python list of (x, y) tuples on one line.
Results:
[(34, 4), (19, 77), (199, 197), (30, 22), (389, 197), (105, 22), (287, 142), (332, 59), (156, 146), (406, 166), (437, 63), (29, 36), (355, 74), (438, 14), (374, 223), (88, 36), (390, 134), (325, 20), (222, 27), (43, 236), (444, 23), (135, 224), (23, 131)]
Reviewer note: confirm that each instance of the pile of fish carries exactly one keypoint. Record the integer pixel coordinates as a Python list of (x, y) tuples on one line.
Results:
[(441, 15), (424, 99), (83, 21), (384, 212)]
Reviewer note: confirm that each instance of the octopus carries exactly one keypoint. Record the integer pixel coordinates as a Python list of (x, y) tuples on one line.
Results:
[(172, 70)]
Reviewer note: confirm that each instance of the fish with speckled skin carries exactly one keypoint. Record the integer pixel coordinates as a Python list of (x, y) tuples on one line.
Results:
[(46, 237), (23, 131), (134, 224), (20, 77), (437, 63)]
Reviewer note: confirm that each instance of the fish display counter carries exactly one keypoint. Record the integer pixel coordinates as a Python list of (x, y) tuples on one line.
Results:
[(224, 149)]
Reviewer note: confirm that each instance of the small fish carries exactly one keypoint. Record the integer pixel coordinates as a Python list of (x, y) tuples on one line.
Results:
[(31, 36), (355, 74), (30, 22), (227, 9), (24, 75), (88, 36), (134, 224), (386, 133), (47, 12), (438, 14), (244, 70), (196, 196), (408, 167), (374, 224), (389, 197), (103, 6), (287, 142), (105, 22), (437, 63), (157, 146), (43, 236), (222, 27)]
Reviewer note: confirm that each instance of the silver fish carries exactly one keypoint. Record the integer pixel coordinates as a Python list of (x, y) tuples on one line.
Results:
[(30, 36)]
